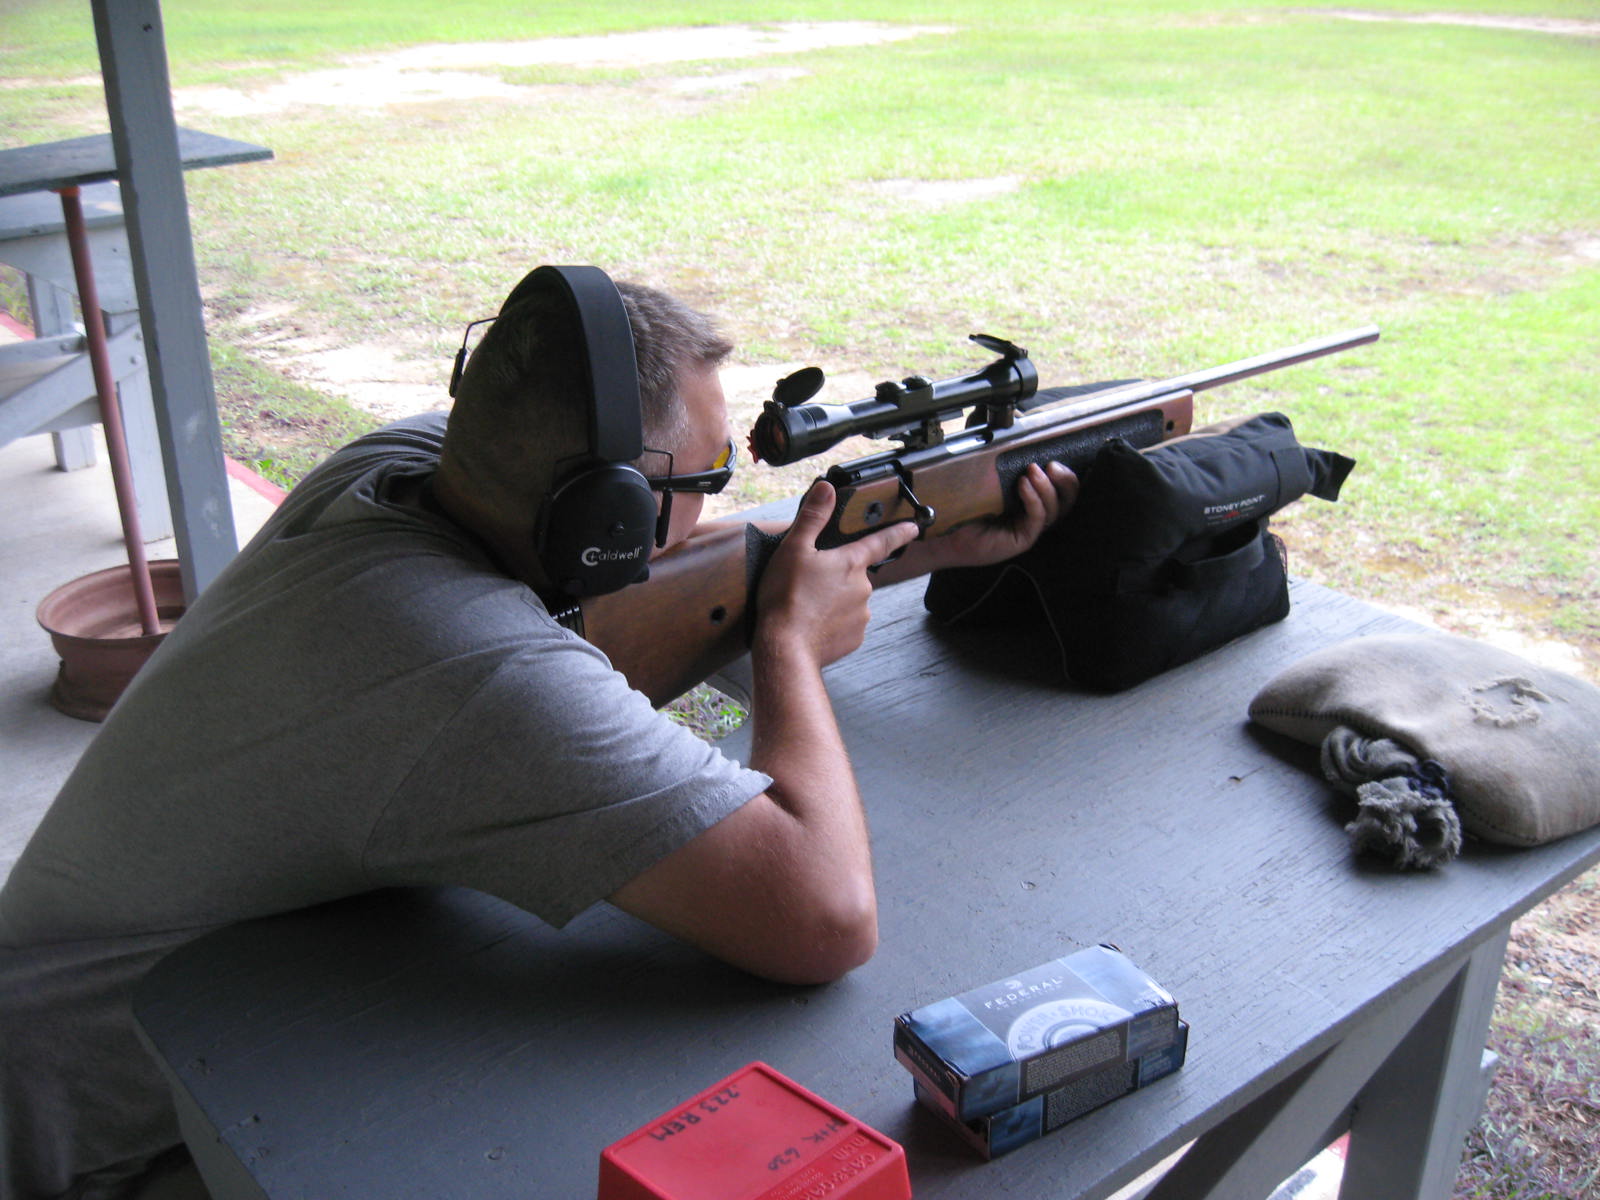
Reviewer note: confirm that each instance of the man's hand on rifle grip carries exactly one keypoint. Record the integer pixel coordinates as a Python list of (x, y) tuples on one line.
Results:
[(816, 597)]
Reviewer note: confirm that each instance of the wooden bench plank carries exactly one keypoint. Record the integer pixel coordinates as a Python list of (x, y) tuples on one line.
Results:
[(84, 160), (35, 391)]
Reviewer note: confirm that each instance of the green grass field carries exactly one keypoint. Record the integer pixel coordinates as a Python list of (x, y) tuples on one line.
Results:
[(1158, 189), (1155, 189)]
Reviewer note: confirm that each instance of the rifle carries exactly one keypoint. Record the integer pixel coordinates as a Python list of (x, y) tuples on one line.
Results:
[(693, 615)]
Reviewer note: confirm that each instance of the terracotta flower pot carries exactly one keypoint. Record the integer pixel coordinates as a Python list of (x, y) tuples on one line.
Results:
[(94, 624)]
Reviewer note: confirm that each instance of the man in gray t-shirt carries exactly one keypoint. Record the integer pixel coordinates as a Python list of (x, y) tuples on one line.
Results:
[(374, 694)]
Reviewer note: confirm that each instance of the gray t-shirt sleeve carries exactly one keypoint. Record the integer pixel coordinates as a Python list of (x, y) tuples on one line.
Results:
[(554, 784)]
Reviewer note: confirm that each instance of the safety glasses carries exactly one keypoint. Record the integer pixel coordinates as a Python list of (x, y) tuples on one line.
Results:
[(707, 483)]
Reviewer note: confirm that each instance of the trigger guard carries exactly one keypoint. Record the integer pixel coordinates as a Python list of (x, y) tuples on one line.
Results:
[(894, 556)]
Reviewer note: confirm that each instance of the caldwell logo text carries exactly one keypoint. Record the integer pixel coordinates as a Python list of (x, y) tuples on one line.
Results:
[(594, 555)]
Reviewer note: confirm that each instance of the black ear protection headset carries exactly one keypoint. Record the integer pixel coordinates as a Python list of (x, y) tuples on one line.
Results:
[(597, 525)]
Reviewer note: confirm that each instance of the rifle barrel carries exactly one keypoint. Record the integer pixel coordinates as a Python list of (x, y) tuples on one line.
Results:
[(1199, 381)]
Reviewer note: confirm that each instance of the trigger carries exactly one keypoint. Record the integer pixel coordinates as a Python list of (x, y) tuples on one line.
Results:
[(893, 555)]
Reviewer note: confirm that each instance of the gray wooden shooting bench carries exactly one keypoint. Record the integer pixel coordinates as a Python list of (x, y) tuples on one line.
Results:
[(442, 1043), (141, 283), (46, 385)]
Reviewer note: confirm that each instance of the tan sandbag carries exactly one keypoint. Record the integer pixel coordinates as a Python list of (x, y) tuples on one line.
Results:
[(1520, 743)]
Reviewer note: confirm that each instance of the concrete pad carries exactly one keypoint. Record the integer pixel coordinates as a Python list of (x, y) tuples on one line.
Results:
[(56, 526)]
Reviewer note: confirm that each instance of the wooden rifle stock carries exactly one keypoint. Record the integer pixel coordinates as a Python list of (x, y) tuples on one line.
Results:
[(973, 475), (695, 613)]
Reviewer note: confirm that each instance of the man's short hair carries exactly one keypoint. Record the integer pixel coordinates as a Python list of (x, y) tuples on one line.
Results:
[(522, 408)]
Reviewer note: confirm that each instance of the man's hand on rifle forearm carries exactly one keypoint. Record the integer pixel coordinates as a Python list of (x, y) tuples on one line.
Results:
[(1046, 494)]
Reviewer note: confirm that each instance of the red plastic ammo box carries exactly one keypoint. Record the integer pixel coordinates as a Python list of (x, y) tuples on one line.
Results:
[(757, 1135)]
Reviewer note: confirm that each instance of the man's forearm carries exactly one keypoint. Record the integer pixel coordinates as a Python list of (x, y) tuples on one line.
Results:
[(783, 886), (798, 744)]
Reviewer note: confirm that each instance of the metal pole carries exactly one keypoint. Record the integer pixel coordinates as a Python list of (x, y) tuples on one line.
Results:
[(110, 411)]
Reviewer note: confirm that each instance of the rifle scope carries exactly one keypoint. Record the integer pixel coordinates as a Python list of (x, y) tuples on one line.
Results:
[(790, 429)]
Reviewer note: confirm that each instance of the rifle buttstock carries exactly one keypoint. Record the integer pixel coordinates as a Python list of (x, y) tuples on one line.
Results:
[(692, 616)]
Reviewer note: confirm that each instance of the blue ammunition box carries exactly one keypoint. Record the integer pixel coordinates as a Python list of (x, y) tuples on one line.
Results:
[(1092, 1013), (1001, 1132)]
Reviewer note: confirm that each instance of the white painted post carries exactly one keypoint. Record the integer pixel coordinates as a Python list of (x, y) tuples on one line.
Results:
[(144, 135)]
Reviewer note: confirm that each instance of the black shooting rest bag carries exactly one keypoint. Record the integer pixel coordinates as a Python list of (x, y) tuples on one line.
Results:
[(1165, 555)]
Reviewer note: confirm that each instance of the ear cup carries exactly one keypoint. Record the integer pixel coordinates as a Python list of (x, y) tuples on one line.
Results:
[(597, 529)]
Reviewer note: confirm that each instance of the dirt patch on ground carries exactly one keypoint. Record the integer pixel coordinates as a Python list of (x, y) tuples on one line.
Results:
[(1538, 1130), (1565, 26), (1555, 951), (466, 70), (390, 380), (398, 377), (948, 191)]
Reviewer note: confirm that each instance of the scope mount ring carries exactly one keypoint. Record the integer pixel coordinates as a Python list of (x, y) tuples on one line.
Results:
[(926, 433)]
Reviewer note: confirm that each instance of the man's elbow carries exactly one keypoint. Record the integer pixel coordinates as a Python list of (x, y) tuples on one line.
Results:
[(836, 939)]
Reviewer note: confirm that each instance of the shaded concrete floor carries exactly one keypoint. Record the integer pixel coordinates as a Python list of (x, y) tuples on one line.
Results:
[(54, 527)]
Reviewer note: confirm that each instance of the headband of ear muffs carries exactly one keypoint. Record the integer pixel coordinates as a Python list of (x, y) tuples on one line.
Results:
[(598, 523)]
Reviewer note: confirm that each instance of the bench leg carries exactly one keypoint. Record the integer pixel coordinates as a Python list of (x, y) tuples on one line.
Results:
[(54, 312), (1411, 1121), (144, 443), (74, 448), (1250, 1153)]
